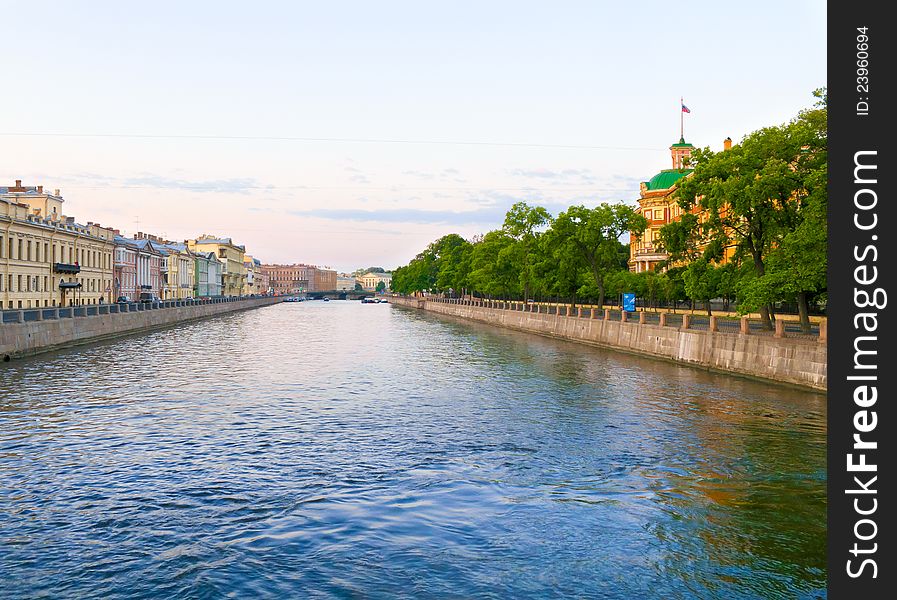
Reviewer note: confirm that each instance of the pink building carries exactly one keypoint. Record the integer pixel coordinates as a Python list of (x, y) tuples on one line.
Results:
[(137, 268)]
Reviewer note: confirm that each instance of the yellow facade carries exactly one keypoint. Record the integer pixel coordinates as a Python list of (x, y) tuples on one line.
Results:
[(179, 278), (658, 204), (46, 259), (231, 256)]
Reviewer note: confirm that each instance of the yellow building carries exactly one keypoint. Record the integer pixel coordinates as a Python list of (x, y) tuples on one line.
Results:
[(180, 271), (232, 256), (46, 258), (658, 204), (370, 280)]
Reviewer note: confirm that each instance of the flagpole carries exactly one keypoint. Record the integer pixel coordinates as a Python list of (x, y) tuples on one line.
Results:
[(681, 119)]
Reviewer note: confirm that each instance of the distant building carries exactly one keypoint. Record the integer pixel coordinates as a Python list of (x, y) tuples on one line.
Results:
[(325, 280), (138, 267), (299, 278), (46, 258), (256, 278), (231, 255), (345, 283), (207, 275), (370, 280)]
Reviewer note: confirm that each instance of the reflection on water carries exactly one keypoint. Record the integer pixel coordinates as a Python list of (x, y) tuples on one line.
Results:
[(346, 450)]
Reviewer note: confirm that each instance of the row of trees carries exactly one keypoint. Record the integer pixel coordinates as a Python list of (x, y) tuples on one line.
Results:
[(574, 255), (764, 198)]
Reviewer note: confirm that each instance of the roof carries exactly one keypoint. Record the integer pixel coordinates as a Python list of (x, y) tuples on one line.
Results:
[(220, 241), (667, 179), (682, 144)]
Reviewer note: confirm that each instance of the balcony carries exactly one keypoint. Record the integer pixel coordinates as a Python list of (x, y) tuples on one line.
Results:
[(650, 253), (66, 268)]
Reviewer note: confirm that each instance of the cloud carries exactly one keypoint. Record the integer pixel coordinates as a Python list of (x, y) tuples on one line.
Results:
[(565, 176), (359, 179), (419, 174), (244, 185), (488, 215), (489, 209)]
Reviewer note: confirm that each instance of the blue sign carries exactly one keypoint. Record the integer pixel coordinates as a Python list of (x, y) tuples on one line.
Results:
[(629, 302)]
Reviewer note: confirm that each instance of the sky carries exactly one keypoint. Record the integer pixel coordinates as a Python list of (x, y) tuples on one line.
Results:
[(352, 134)]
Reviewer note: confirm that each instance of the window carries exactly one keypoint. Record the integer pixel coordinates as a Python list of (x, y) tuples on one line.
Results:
[(2, 247), (19, 255), (28, 250)]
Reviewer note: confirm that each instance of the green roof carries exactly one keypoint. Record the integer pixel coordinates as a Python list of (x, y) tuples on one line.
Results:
[(667, 179), (681, 144)]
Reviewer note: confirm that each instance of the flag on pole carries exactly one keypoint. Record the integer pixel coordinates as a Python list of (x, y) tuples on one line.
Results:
[(685, 109)]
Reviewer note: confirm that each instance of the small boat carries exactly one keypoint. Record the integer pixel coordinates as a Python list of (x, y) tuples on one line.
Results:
[(326, 299)]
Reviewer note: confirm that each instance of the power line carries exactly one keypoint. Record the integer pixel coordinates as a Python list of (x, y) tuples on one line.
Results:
[(272, 138), (201, 188)]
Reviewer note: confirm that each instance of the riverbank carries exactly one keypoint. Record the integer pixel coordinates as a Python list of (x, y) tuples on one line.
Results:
[(795, 361), (27, 332)]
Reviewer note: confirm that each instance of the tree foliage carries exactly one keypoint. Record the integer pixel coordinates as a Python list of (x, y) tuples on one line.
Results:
[(753, 230)]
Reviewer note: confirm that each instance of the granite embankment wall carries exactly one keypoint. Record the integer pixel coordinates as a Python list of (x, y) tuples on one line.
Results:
[(41, 330), (795, 361)]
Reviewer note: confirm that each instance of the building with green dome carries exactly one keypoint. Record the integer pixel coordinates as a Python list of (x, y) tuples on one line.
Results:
[(658, 205)]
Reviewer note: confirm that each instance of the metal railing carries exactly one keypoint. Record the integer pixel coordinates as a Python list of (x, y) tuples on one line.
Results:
[(28, 315), (723, 324)]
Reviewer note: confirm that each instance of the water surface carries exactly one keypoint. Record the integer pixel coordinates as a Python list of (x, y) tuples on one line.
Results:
[(341, 450)]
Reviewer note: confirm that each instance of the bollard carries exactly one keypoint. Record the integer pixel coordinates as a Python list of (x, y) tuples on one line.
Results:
[(686, 321), (579, 312), (593, 314), (823, 331), (713, 324), (745, 326), (642, 318), (607, 314), (780, 328), (663, 319), (624, 316)]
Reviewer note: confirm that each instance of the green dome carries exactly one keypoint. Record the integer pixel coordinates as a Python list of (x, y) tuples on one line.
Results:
[(667, 179)]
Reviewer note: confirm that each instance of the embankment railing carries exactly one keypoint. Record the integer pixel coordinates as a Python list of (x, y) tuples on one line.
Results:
[(26, 315), (724, 324)]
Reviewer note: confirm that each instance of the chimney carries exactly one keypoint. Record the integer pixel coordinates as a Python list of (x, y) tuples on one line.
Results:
[(116, 232), (56, 192), (18, 183), (727, 143), (40, 189)]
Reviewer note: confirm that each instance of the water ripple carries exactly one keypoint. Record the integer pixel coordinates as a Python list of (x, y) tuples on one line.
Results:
[(340, 450)]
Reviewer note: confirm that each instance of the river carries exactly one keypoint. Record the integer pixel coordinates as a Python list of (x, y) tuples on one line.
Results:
[(340, 450)]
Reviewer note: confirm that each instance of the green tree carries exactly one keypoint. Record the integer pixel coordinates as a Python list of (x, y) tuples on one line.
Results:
[(757, 194), (381, 287), (593, 236), (522, 223), (492, 267), (702, 281)]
